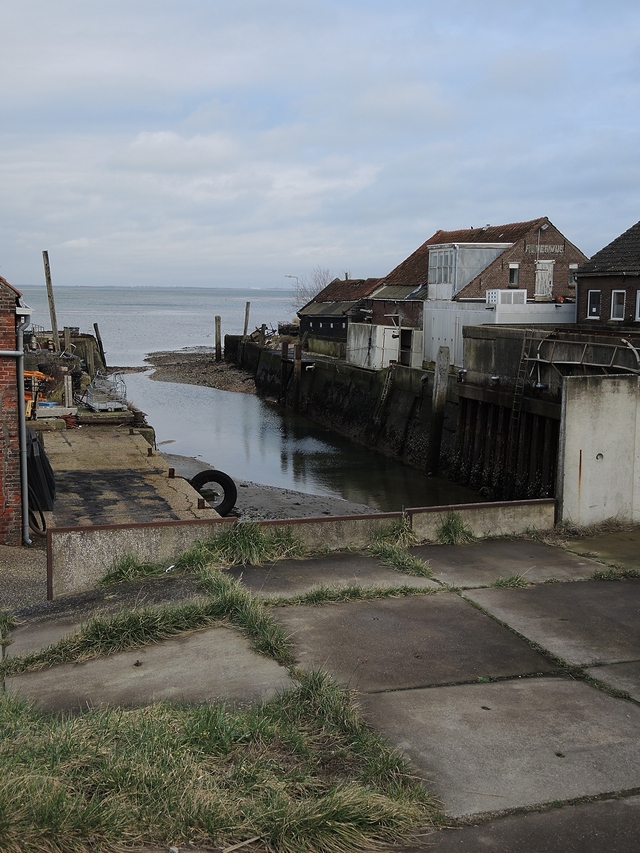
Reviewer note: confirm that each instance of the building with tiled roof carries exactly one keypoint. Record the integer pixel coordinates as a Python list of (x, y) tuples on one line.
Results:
[(609, 285)]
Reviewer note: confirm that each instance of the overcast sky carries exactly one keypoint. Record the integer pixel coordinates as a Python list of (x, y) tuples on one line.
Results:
[(232, 142)]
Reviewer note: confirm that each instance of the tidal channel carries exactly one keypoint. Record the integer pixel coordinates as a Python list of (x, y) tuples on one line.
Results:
[(252, 439)]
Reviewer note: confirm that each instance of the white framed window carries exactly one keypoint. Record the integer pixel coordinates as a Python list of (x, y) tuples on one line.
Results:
[(617, 304), (514, 274), (593, 305), (441, 266), (638, 305)]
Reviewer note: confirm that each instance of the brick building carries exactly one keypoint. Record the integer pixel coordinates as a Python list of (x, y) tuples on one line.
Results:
[(10, 493), (609, 285)]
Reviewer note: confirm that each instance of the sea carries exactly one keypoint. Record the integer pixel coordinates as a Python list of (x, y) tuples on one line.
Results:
[(241, 434)]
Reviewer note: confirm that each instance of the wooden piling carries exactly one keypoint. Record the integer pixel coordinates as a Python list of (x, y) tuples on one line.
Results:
[(218, 340), (52, 305), (246, 320), (297, 373), (100, 347), (284, 357), (263, 334), (67, 338)]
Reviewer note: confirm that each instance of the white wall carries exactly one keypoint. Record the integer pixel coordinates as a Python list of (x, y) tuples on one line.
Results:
[(599, 459), (443, 321), (374, 346)]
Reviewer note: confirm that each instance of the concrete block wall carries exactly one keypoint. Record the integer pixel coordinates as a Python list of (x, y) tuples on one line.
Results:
[(10, 496), (599, 456)]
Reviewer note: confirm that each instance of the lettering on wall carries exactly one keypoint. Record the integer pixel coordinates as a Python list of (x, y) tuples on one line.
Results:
[(545, 249)]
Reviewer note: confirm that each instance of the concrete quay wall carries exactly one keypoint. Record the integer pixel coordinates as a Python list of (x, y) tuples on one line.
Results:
[(78, 557)]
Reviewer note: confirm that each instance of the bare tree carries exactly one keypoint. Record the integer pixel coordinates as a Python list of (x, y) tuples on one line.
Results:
[(308, 289)]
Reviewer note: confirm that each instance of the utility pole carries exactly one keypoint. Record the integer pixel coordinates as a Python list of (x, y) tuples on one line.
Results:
[(52, 305)]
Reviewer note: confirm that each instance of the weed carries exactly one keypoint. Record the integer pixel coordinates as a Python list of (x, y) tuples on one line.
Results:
[(245, 544), (302, 772), (394, 557), (514, 581), (453, 531), (325, 594), (397, 533), (615, 574), (129, 568)]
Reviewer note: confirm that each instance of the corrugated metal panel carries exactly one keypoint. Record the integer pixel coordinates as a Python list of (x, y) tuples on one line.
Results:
[(325, 309)]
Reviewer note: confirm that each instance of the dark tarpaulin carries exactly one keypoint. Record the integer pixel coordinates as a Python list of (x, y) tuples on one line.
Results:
[(40, 473)]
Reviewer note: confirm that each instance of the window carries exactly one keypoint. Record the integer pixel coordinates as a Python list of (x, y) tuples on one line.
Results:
[(514, 271), (441, 266), (593, 305), (638, 305), (617, 304)]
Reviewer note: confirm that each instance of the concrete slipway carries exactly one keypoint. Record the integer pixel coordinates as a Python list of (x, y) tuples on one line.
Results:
[(498, 696)]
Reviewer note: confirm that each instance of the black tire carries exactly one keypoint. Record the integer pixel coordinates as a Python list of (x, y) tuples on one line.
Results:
[(223, 498), (37, 523)]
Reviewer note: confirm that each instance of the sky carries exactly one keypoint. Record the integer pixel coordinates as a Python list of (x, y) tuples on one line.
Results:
[(235, 142)]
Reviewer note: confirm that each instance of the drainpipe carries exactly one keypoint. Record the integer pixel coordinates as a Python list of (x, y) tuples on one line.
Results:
[(25, 313)]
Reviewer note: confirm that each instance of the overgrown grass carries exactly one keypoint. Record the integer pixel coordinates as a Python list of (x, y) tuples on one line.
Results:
[(390, 545), (243, 544), (331, 594), (615, 573), (129, 568), (226, 599), (453, 531), (514, 581), (302, 773)]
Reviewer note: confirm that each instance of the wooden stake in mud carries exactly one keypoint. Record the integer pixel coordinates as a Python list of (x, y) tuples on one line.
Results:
[(100, 347), (67, 338), (246, 321), (52, 305), (297, 373), (218, 340), (440, 382), (263, 334)]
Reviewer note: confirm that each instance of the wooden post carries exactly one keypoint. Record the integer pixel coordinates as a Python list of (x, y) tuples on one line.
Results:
[(263, 334), (297, 373), (67, 339), (52, 305), (218, 340), (90, 358), (100, 347), (284, 357), (440, 382), (246, 320)]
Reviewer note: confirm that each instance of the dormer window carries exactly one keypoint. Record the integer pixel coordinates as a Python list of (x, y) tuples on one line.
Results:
[(441, 266)]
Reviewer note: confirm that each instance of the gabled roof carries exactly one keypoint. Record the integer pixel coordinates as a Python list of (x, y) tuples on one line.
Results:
[(414, 271), (347, 290), (15, 289), (621, 255)]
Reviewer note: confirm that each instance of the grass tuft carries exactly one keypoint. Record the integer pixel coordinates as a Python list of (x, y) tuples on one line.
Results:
[(326, 594), (615, 574), (515, 581), (244, 544), (397, 533), (129, 568), (394, 557), (453, 531), (302, 772)]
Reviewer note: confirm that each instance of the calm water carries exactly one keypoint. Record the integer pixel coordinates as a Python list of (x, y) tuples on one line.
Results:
[(253, 440), (238, 433), (134, 321)]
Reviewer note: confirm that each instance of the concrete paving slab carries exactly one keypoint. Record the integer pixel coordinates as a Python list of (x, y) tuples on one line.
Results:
[(584, 624), (621, 676), (35, 636), (481, 563), (399, 643), (511, 744), (620, 548), (604, 826), (296, 577), (215, 663)]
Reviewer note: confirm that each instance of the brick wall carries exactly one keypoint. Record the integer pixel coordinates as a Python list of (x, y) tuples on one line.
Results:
[(606, 285), (10, 496), (553, 247)]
